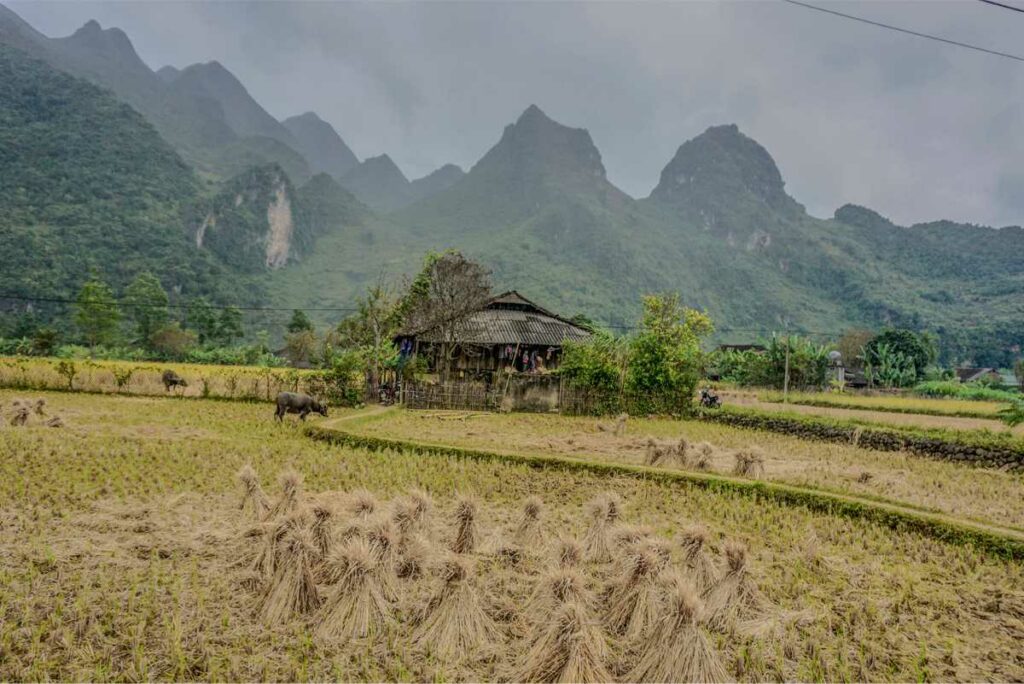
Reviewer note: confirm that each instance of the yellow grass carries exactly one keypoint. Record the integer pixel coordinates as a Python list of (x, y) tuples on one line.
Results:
[(973, 493), (221, 382), (897, 402), (121, 535)]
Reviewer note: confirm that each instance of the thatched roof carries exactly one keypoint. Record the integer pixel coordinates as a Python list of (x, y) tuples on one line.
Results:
[(511, 318)]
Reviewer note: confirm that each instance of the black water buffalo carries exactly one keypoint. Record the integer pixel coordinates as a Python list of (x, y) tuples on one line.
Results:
[(172, 379), (291, 402)]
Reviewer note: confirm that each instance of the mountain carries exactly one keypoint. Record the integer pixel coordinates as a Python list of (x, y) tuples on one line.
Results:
[(378, 183), (435, 181), (321, 145), (87, 185), (719, 228), (204, 112)]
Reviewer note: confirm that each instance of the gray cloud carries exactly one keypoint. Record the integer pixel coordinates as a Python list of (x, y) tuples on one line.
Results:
[(912, 128)]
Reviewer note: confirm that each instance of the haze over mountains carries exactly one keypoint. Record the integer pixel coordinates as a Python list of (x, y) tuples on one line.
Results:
[(288, 207)]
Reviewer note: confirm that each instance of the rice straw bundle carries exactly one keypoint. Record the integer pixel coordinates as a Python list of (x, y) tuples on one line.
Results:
[(453, 622), (414, 553), (696, 560), (466, 528), (702, 454), (412, 512), (267, 560), (291, 488), (529, 523), (556, 588), (40, 407), (362, 504), (678, 649), (568, 553), (21, 413), (323, 536), (749, 463), (735, 597), (570, 648), (603, 511), (625, 536), (293, 588), (632, 600), (681, 453), (655, 453), (357, 606), (253, 496)]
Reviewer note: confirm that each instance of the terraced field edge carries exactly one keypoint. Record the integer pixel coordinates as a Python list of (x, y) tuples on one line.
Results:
[(989, 540)]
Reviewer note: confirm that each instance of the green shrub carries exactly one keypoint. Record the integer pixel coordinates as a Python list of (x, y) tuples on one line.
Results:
[(957, 390)]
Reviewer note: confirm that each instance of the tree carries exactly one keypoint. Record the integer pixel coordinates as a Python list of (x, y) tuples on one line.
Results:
[(300, 322), (172, 340), (146, 303), (444, 295), (852, 344), (229, 325), (889, 367), (920, 348), (666, 360), (203, 319), (96, 313), (371, 329), (300, 346)]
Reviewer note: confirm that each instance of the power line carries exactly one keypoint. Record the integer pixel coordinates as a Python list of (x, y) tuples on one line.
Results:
[(999, 4), (906, 31)]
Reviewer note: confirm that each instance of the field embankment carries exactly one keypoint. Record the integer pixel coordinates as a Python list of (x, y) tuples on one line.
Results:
[(121, 548)]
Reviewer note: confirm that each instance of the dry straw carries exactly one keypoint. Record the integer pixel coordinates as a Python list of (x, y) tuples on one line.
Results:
[(604, 511), (698, 563), (679, 649), (568, 553), (291, 489), (253, 497), (293, 589), (269, 556), (735, 597), (569, 648), (631, 601), (453, 622), (556, 588), (412, 512), (749, 463), (701, 455), (357, 605), (528, 527), (414, 554), (323, 535), (467, 532), (362, 504)]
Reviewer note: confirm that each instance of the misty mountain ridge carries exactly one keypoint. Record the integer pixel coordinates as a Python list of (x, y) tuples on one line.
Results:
[(538, 209)]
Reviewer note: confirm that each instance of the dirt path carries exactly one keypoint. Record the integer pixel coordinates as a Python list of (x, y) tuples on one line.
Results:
[(884, 417)]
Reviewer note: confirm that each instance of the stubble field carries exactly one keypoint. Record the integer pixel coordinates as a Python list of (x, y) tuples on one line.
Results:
[(124, 555)]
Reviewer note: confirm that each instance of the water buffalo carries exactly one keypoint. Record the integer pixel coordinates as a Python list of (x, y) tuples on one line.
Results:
[(172, 379), (291, 402)]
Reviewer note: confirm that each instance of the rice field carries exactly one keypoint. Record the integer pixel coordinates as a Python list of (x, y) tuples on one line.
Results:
[(144, 378), (900, 403), (979, 494), (131, 549), (880, 417)]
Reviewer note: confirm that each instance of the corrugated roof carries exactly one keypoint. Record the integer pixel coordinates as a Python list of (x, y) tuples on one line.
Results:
[(509, 326)]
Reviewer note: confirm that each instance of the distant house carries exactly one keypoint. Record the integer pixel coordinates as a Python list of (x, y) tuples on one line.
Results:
[(509, 331), (978, 374)]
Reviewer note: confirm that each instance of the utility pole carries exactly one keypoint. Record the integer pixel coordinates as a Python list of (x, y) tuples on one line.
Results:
[(785, 380)]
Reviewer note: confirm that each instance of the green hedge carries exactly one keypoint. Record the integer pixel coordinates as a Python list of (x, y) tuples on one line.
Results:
[(975, 447), (892, 515)]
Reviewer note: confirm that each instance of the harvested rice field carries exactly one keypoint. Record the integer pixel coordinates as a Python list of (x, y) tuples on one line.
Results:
[(881, 417), (979, 494), (135, 543), (902, 403)]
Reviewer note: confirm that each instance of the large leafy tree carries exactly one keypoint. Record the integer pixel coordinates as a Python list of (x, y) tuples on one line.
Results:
[(444, 295), (229, 325), (299, 322), (146, 303), (202, 318), (920, 348), (96, 312), (665, 356)]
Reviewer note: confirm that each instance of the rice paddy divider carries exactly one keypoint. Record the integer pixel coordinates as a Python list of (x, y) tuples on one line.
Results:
[(996, 541)]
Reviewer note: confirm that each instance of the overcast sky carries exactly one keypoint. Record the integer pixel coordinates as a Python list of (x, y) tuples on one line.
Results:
[(915, 129)]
